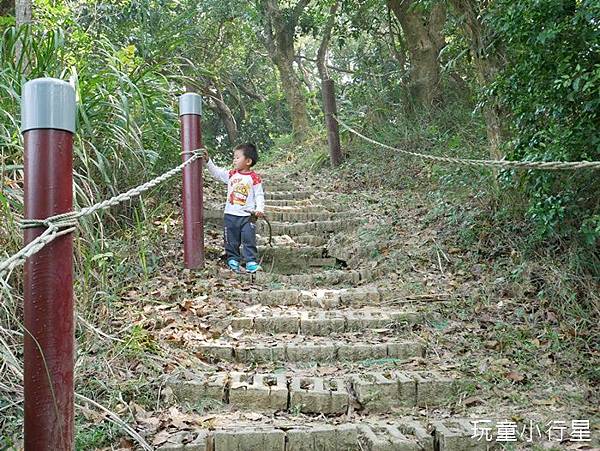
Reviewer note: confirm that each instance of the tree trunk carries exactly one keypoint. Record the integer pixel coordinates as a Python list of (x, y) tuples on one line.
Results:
[(399, 54), (227, 118), (487, 65), (424, 40), (22, 11), (328, 92), (22, 17), (279, 41), (216, 104), (333, 133)]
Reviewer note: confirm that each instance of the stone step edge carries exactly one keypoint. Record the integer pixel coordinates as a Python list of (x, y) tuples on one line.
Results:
[(295, 203), (309, 352), (303, 249), (315, 224), (439, 435), (344, 297), (322, 324), (289, 191), (303, 240), (316, 279), (288, 195), (328, 277), (365, 392), (308, 225), (279, 216)]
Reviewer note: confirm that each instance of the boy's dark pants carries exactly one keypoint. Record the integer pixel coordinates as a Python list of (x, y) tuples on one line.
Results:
[(239, 230)]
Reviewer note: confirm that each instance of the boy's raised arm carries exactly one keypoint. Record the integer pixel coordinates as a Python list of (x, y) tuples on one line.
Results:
[(259, 197), (217, 172)]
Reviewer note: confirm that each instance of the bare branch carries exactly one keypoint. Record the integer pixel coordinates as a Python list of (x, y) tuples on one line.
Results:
[(249, 92)]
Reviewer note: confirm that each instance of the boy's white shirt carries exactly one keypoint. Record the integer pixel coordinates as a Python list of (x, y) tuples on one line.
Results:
[(244, 190)]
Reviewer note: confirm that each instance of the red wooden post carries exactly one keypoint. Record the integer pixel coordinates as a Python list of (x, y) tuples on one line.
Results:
[(190, 115), (48, 123)]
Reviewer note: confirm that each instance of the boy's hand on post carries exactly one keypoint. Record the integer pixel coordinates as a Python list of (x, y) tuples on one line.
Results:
[(259, 214), (205, 156)]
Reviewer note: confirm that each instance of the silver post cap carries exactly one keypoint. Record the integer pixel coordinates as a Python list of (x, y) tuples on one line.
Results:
[(48, 103), (190, 103)]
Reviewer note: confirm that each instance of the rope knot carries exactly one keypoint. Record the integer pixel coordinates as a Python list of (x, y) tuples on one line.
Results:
[(67, 220), (194, 152)]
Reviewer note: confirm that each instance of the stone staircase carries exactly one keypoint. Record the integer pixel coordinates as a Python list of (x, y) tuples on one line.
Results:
[(318, 355)]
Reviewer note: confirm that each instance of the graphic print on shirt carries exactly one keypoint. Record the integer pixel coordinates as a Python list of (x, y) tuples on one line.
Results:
[(239, 192)]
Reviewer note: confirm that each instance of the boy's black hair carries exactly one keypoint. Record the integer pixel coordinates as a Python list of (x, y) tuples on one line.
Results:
[(249, 151)]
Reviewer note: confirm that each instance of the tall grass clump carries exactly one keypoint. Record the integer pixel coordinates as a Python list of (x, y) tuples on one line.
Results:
[(127, 133)]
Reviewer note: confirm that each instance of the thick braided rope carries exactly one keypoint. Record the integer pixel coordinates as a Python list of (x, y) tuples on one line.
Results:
[(505, 164), (65, 223)]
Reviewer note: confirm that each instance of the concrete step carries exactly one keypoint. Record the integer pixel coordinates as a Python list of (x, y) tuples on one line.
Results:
[(301, 228), (306, 240), (323, 298), (313, 204), (308, 208), (458, 434), (305, 216), (290, 202), (325, 278), (291, 251), (383, 436), (332, 298), (321, 323), (287, 195), (285, 259), (248, 436), (215, 215), (311, 240), (289, 433), (332, 204), (279, 186), (293, 266), (260, 348), (286, 240), (294, 259), (332, 395), (291, 227)]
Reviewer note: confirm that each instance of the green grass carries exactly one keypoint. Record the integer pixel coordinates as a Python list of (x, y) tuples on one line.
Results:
[(94, 436)]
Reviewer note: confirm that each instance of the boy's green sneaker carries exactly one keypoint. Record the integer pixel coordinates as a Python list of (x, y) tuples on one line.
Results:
[(252, 267), (233, 264)]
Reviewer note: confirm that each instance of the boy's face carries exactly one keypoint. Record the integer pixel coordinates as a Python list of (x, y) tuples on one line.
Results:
[(240, 162)]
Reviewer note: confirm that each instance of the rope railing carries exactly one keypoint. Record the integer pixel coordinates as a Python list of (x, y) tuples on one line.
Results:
[(502, 164), (65, 223)]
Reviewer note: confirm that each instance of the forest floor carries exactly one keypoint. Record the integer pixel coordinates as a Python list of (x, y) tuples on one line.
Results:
[(514, 357), (520, 363)]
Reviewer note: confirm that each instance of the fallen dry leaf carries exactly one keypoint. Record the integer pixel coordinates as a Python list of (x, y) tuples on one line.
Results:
[(515, 376), (473, 401), (125, 443), (161, 438)]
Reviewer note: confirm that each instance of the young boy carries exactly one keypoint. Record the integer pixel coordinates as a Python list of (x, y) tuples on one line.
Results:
[(244, 195)]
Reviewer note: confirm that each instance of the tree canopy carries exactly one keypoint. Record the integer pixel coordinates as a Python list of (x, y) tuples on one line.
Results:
[(528, 73)]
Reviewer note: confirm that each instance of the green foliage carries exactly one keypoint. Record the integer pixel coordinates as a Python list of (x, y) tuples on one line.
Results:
[(551, 86), (6, 22), (94, 436)]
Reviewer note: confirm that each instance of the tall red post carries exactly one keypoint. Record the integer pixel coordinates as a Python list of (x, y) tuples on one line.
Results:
[(48, 123), (190, 115)]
